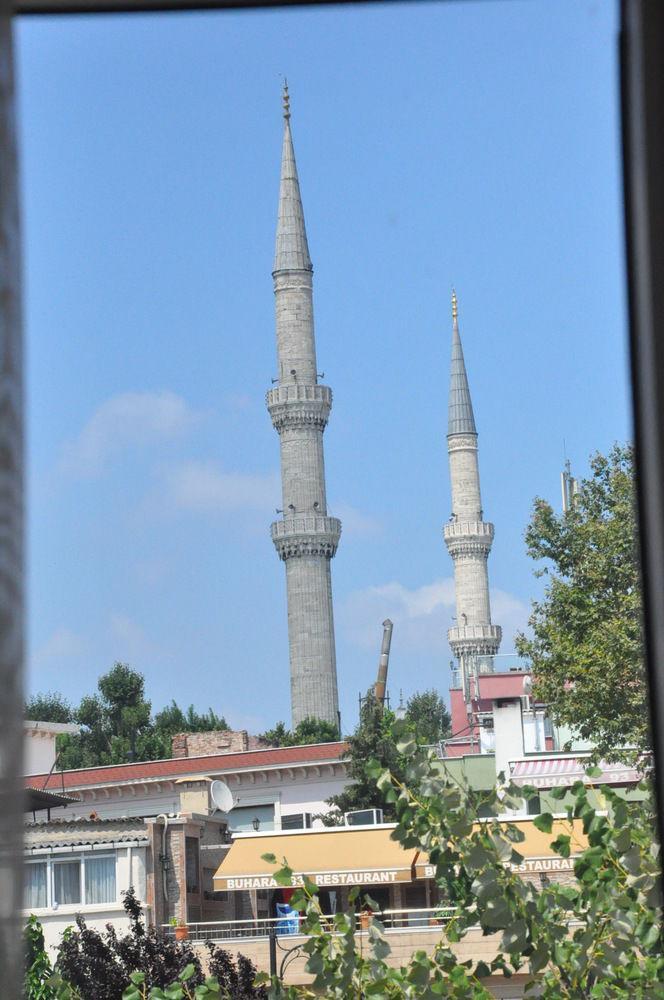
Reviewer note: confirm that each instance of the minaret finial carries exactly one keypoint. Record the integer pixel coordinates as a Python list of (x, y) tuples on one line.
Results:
[(455, 307), (286, 100)]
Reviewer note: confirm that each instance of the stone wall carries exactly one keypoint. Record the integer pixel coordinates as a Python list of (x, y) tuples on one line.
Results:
[(216, 742)]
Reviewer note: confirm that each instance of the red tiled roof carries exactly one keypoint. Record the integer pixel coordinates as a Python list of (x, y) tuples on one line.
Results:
[(175, 768)]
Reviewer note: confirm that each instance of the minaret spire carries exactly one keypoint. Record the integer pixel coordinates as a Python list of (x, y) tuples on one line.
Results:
[(292, 248), (306, 538), (461, 419), (474, 639)]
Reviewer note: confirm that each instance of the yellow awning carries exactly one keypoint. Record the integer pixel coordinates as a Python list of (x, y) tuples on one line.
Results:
[(535, 848), (333, 857)]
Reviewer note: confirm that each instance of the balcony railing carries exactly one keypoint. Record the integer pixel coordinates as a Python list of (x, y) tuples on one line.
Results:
[(259, 927)]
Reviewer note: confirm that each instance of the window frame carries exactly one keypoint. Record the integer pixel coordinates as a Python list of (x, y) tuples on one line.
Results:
[(51, 860)]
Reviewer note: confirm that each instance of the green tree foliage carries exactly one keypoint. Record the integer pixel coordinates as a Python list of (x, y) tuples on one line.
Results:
[(50, 707), (310, 730), (428, 716), (587, 646), (599, 937), (118, 722), (38, 970), (373, 739)]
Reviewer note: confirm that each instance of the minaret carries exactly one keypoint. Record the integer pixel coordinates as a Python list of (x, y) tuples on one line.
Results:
[(305, 538), (474, 640)]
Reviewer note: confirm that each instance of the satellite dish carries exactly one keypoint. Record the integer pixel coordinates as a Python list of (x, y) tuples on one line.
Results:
[(221, 796)]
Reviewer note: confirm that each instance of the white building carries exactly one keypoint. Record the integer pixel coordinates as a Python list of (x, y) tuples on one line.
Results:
[(154, 825)]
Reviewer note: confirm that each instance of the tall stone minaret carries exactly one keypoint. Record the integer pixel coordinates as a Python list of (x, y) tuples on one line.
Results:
[(306, 538), (474, 640)]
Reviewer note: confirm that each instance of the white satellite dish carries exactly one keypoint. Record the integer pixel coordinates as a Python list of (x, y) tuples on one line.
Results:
[(221, 796)]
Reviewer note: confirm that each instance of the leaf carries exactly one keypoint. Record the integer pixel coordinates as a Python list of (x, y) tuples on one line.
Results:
[(270, 858), (543, 822), (187, 972)]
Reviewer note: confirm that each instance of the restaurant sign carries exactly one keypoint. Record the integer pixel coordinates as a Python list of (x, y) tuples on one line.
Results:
[(380, 876), (529, 866)]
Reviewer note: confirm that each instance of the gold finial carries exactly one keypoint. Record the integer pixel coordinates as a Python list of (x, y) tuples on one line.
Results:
[(286, 100), (455, 307)]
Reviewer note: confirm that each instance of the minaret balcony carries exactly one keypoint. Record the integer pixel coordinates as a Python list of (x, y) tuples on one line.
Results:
[(468, 538), (482, 640), (299, 405), (306, 535)]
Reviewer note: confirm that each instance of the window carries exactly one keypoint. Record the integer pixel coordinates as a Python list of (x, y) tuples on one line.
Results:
[(296, 821), (248, 818), (35, 886), (88, 879), (191, 863), (534, 806), (100, 880), (66, 882)]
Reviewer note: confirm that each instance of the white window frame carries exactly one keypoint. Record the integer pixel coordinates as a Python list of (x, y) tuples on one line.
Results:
[(52, 905)]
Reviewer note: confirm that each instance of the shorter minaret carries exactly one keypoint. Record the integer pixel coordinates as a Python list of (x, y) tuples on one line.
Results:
[(306, 537), (474, 640)]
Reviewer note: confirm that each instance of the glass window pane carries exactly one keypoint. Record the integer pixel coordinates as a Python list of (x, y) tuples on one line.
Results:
[(35, 886), (67, 882), (243, 818), (100, 880)]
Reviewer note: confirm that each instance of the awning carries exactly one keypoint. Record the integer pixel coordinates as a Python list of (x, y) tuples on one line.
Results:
[(535, 848), (557, 772), (333, 857)]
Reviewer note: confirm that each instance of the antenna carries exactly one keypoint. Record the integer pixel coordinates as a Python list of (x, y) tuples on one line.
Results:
[(221, 796)]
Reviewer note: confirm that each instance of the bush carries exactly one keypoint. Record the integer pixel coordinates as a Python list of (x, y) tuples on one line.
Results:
[(106, 966)]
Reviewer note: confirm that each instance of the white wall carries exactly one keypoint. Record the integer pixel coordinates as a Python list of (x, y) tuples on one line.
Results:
[(508, 730), (289, 794), (38, 752)]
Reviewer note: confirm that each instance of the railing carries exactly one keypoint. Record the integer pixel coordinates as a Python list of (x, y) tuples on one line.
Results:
[(305, 524), (424, 918)]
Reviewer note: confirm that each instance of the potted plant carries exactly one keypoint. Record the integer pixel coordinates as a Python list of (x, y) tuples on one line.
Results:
[(180, 930)]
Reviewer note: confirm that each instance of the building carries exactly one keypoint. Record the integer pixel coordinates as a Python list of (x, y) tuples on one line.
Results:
[(305, 537), (155, 825)]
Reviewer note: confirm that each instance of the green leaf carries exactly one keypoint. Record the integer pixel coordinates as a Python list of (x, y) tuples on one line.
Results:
[(543, 822), (187, 972), (270, 858)]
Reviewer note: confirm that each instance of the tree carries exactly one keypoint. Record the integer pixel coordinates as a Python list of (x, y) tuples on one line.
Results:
[(373, 739), (50, 707), (598, 937), (587, 644), (309, 730), (428, 716), (118, 723)]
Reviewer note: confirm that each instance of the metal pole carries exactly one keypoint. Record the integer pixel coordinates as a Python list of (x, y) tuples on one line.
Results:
[(272, 936), (11, 530)]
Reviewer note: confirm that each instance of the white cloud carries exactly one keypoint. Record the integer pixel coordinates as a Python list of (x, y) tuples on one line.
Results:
[(355, 523), (62, 644), (127, 420), (203, 486), (421, 615), (129, 640)]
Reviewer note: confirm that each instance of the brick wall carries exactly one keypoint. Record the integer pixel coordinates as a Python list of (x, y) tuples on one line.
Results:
[(218, 741)]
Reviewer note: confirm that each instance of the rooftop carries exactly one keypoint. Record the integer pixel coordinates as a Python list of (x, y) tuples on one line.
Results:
[(156, 770)]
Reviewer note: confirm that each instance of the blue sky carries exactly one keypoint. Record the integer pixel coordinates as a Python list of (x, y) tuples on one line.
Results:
[(470, 144)]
